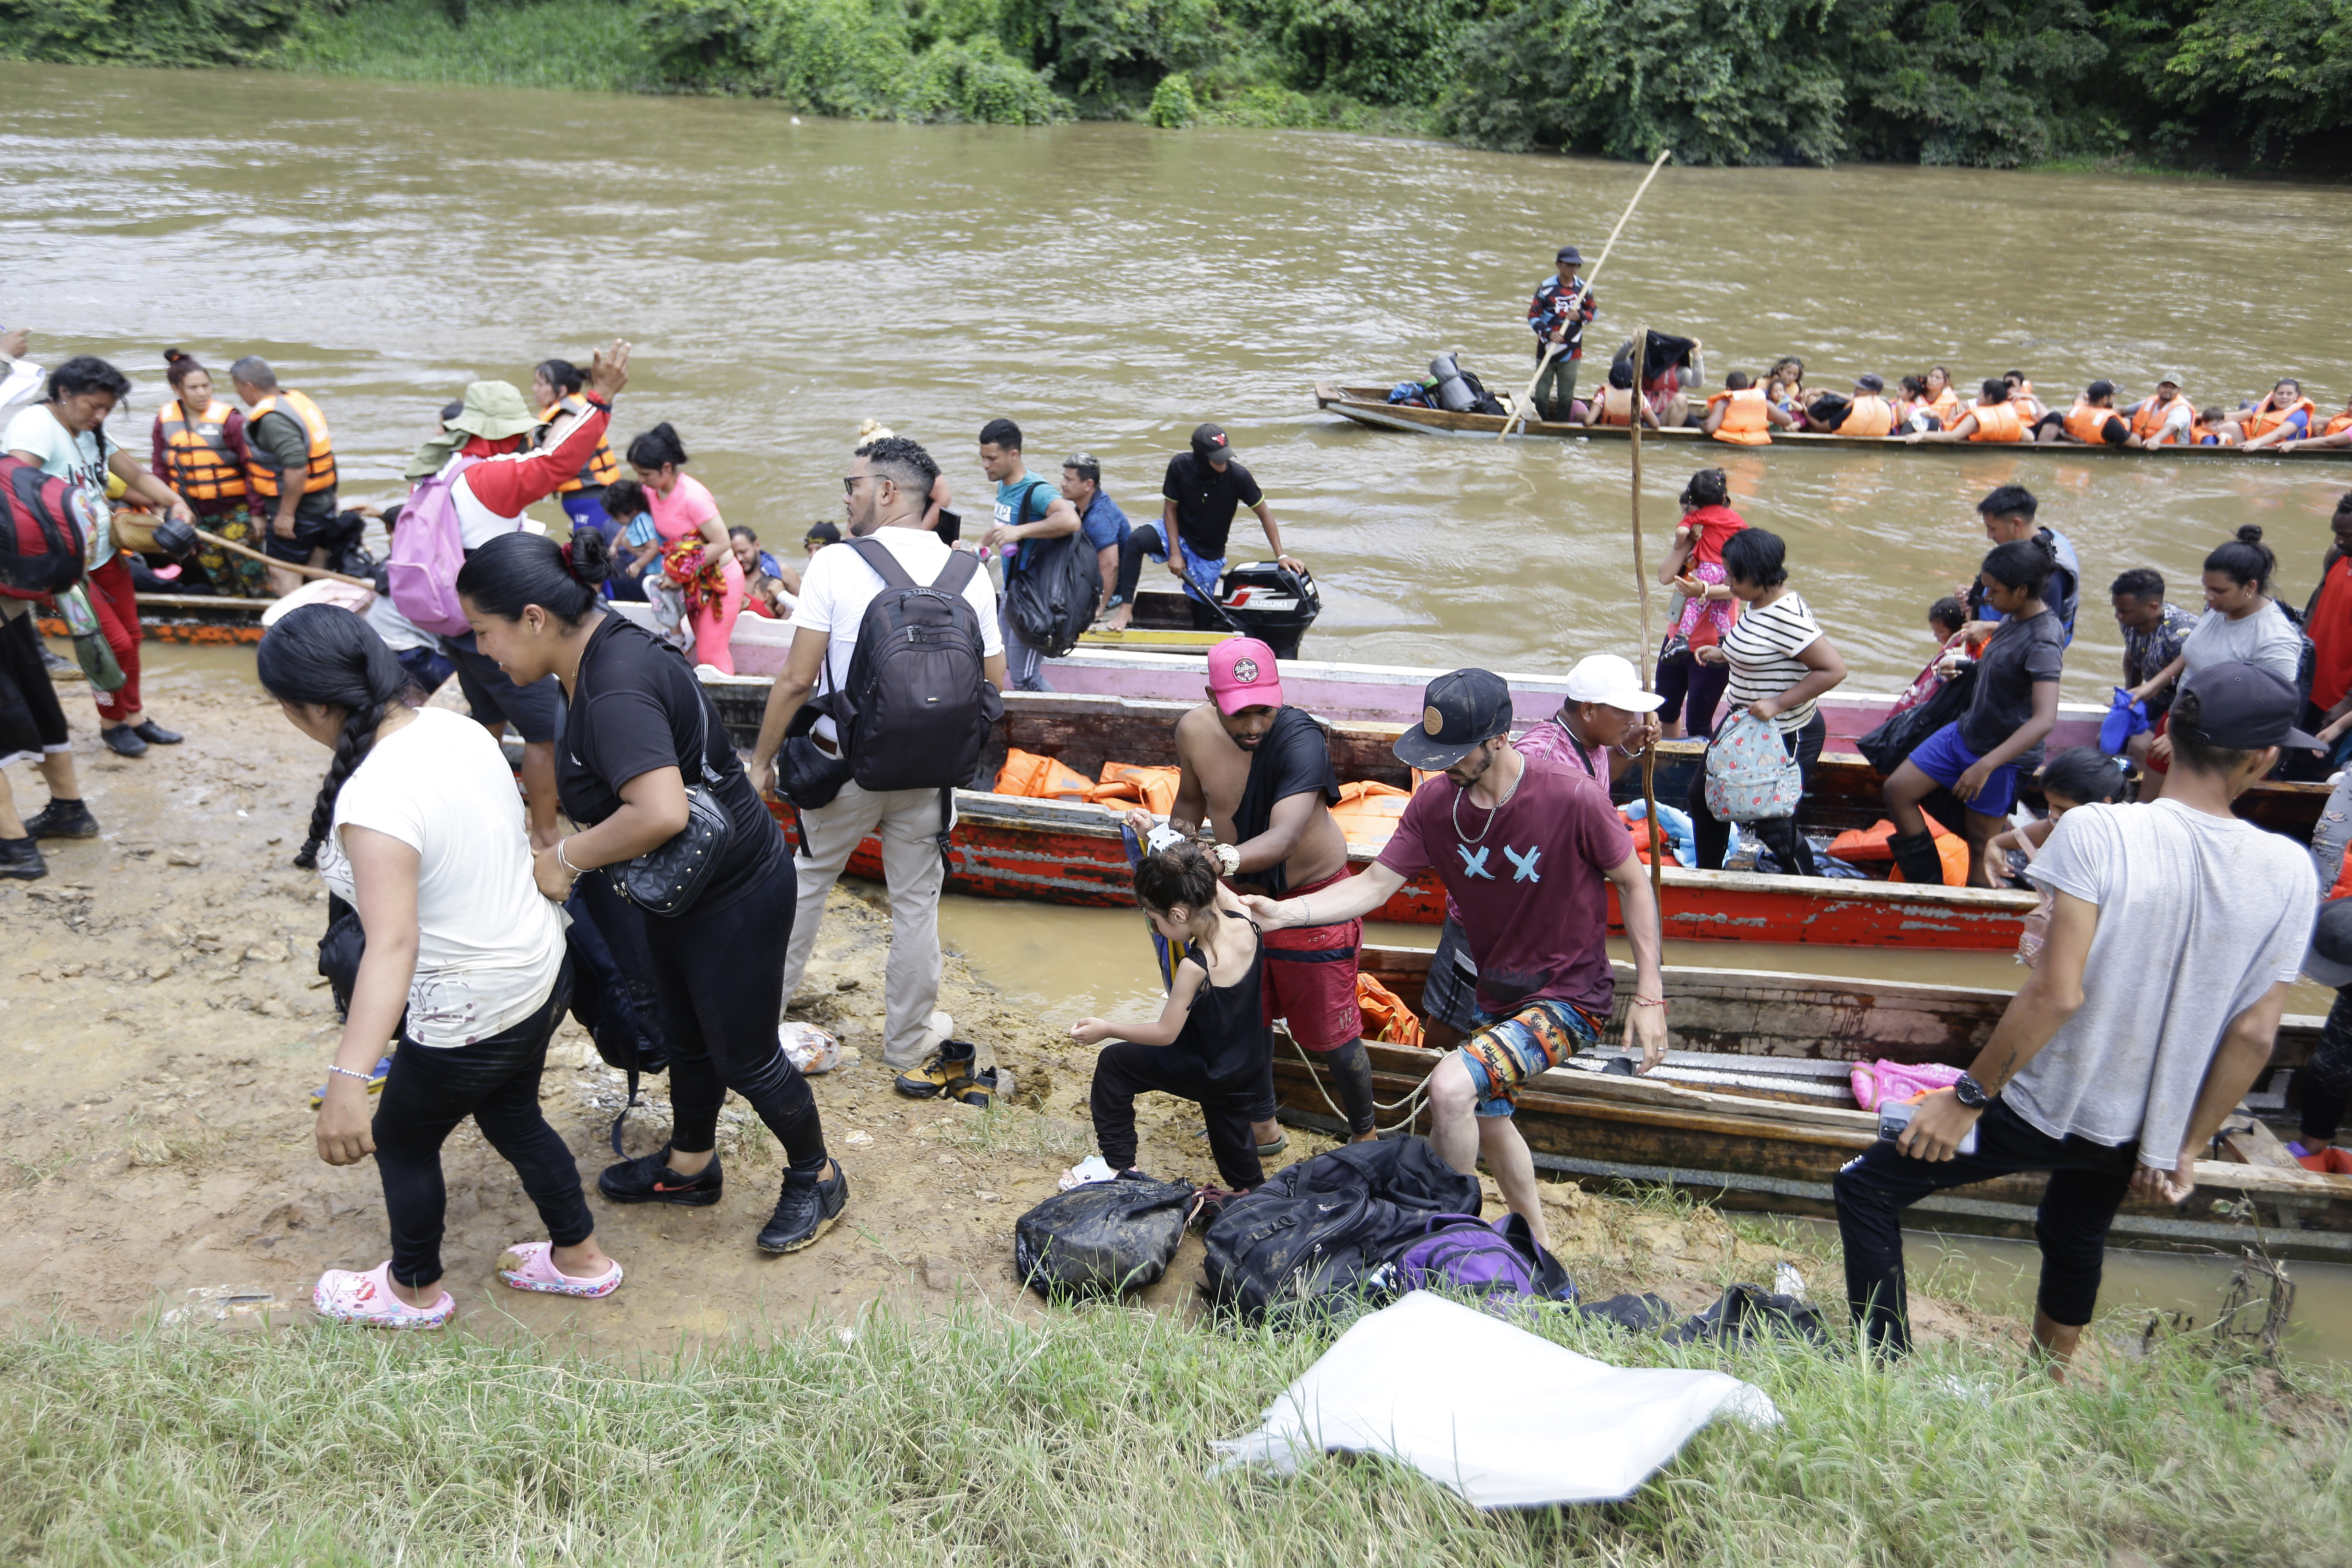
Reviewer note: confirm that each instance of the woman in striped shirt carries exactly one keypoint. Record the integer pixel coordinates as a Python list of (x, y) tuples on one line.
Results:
[(1779, 663)]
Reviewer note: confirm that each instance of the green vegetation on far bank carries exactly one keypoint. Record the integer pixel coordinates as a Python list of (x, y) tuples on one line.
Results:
[(2124, 83), (1084, 1439)]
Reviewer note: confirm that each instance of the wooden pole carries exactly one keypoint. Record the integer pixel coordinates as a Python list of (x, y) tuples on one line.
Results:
[(1641, 582), (304, 567), (1528, 397)]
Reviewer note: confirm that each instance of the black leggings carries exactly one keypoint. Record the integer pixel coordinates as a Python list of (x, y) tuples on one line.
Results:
[(431, 1089), (718, 976), (1350, 1069), (2327, 1082), (1693, 692), (2087, 1184), (1125, 1070), (1781, 834)]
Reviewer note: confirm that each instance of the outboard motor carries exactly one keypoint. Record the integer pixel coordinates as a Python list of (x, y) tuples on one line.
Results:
[(1274, 605), (1452, 392)]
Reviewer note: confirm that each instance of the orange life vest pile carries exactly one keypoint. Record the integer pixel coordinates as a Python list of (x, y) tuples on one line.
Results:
[(1121, 785), (1386, 1018), (1866, 846)]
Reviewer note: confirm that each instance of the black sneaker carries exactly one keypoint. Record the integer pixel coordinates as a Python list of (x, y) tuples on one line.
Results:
[(807, 1210), (123, 741), (62, 819), (648, 1179), (154, 735), (20, 860)]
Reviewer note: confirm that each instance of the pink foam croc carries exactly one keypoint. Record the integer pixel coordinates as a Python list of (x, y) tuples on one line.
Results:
[(527, 1266), (347, 1297)]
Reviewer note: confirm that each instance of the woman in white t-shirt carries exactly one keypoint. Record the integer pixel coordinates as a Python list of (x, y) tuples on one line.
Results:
[(64, 437), (419, 828), (2243, 623), (1779, 663)]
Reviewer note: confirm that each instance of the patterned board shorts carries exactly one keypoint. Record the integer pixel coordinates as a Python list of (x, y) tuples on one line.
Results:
[(1507, 1052)]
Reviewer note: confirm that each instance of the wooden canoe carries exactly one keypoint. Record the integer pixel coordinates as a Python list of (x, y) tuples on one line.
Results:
[(1370, 405), (197, 619), (1009, 846), (1752, 1109)]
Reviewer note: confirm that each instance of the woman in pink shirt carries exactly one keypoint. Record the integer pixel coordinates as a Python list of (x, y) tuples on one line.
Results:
[(683, 508)]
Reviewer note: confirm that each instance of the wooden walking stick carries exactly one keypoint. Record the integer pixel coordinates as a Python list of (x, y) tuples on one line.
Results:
[(1641, 582), (1526, 398), (302, 567)]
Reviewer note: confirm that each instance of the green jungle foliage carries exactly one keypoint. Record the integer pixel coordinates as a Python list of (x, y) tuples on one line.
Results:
[(1996, 82)]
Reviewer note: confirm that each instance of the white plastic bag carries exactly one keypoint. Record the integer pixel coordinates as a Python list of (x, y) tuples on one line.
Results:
[(1496, 1414), (811, 1048)]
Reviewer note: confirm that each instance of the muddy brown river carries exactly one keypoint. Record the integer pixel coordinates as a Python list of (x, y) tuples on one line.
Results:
[(1110, 286)]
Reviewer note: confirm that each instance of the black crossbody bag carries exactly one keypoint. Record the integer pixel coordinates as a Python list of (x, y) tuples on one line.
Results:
[(668, 879)]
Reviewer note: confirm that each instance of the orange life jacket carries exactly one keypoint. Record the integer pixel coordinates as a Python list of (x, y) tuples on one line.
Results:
[(1863, 846), (600, 469), (1153, 788), (1612, 410), (1997, 422), (2088, 425), (1042, 778), (1386, 1018), (2262, 424), (1640, 828), (1368, 812), (319, 474), (2340, 422), (1868, 417), (2029, 407), (203, 467), (2147, 418), (1744, 421), (1945, 407)]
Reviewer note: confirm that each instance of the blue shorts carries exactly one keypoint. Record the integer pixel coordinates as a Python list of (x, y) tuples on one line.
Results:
[(1505, 1052), (1944, 757)]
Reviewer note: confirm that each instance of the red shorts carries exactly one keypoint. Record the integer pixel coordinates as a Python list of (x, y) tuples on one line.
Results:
[(1310, 978)]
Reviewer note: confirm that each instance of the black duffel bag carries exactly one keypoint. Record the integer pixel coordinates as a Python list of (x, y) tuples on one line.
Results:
[(1887, 747), (1052, 601), (1102, 1239)]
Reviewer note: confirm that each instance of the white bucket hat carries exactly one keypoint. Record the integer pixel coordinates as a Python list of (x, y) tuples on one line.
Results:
[(1605, 678)]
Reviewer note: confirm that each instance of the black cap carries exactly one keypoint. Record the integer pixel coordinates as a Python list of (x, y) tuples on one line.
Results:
[(1458, 711), (2329, 959), (1211, 441), (2238, 707), (1871, 381), (1570, 254)]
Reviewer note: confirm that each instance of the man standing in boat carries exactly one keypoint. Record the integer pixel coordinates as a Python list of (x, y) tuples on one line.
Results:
[(1564, 304), (1257, 776), (2008, 514), (1528, 849), (2176, 932), (1203, 489)]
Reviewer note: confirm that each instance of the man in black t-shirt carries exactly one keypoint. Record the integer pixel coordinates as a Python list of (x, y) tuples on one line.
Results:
[(1205, 488)]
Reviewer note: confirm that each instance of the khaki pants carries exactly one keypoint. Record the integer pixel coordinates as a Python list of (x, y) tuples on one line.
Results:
[(908, 823)]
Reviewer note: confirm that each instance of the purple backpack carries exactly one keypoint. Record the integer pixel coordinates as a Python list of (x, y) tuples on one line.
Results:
[(427, 549), (1461, 1252)]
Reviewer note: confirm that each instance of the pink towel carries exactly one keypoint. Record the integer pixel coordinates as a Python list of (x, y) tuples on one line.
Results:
[(1875, 1082)]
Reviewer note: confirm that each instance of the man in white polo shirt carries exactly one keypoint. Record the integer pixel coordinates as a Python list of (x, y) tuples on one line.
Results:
[(888, 488)]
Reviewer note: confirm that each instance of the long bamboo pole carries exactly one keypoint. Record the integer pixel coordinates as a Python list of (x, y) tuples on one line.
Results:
[(1641, 582), (304, 567), (1526, 398)]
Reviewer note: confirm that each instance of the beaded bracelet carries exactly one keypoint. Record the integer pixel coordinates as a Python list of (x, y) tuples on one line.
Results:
[(347, 1072)]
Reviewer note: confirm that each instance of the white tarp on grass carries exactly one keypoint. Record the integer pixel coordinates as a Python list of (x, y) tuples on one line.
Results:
[(1502, 1417)]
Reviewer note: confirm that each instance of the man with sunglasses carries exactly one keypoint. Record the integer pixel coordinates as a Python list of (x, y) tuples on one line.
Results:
[(885, 494)]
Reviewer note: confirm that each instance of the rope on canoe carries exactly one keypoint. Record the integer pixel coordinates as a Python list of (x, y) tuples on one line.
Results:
[(1411, 1104)]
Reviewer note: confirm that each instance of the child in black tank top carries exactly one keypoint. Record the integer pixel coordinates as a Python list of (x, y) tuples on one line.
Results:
[(1210, 1042)]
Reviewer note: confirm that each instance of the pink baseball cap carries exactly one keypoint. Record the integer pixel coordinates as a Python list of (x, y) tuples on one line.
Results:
[(1241, 674)]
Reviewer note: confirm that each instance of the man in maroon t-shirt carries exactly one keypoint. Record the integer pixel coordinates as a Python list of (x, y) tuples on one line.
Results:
[(1525, 848)]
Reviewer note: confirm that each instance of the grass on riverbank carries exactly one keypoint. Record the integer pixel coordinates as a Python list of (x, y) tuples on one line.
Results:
[(980, 1439), (595, 47)]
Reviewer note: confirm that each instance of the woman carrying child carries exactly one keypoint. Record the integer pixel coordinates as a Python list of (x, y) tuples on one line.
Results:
[(1209, 1043), (418, 826), (1694, 566)]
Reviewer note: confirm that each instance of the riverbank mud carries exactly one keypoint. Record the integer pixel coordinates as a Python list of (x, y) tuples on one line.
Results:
[(162, 1025)]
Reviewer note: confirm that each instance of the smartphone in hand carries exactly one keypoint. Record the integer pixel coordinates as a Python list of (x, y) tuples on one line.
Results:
[(1894, 1115)]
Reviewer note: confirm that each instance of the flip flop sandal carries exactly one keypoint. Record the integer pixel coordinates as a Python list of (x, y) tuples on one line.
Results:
[(1281, 1142), (367, 1299), (527, 1266)]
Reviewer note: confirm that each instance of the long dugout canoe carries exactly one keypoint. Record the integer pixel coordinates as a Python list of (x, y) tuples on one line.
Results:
[(1751, 1111), (1368, 405), (1009, 846)]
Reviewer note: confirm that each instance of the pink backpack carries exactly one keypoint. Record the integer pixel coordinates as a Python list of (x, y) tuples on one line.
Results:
[(427, 549)]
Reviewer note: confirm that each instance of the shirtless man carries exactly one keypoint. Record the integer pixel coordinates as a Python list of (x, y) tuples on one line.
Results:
[(1259, 776)]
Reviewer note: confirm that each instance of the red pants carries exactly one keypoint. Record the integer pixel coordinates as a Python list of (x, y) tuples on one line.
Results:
[(117, 606)]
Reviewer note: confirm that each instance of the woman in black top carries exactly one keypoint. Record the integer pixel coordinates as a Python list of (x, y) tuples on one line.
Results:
[(635, 710), (1209, 1043), (1980, 756)]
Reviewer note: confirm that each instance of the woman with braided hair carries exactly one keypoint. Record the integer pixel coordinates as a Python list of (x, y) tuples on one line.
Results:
[(418, 828)]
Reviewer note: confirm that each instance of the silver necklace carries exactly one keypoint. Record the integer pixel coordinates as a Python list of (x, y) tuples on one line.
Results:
[(1493, 812)]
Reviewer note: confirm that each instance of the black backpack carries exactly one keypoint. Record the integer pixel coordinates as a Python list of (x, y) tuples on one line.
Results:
[(918, 709), (1887, 747), (1051, 602), (1102, 1239)]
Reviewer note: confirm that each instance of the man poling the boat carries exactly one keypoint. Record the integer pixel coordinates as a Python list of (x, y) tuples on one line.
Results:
[(1528, 849), (1563, 306), (1257, 774), (2175, 932)]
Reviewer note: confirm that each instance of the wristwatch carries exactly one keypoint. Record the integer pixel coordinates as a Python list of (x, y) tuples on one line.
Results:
[(1971, 1093), (1229, 858)]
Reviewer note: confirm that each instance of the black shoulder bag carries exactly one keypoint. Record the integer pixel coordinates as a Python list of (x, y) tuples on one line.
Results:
[(668, 879)]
